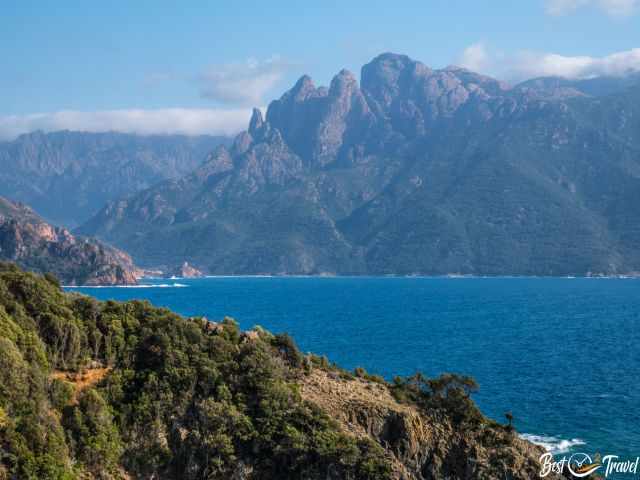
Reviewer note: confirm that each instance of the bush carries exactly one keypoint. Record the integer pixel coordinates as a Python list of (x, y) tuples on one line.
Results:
[(287, 347), (60, 394), (450, 393), (362, 373)]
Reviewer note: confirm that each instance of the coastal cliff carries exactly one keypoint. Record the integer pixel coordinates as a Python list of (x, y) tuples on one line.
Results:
[(108, 390), (32, 243), (420, 443)]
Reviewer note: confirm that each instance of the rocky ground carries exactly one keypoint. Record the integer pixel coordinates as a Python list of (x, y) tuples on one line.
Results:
[(419, 446)]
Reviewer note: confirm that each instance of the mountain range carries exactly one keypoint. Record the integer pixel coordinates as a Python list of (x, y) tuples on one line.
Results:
[(411, 171), (68, 176)]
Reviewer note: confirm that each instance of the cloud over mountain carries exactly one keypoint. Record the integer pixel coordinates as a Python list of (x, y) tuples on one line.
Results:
[(531, 64), (525, 64), (158, 121)]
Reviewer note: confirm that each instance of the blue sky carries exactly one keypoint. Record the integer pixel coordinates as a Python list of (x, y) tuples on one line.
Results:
[(154, 66)]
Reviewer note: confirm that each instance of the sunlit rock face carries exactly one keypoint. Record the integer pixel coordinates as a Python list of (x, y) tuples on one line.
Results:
[(36, 245)]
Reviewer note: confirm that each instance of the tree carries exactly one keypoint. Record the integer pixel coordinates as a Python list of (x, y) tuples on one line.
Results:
[(509, 417)]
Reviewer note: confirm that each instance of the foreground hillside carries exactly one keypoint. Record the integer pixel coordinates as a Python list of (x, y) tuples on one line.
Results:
[(411, 171), (112, 390), (29, 241)]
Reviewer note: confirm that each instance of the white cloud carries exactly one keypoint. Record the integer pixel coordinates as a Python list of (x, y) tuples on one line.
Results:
[(530, 64), (160, 121), (475, 57), (526, 64), (615, 8), (243, 83)]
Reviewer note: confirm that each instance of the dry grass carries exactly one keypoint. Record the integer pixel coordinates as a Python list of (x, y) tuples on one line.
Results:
[(341, 398), (81, 380), (361, 408)]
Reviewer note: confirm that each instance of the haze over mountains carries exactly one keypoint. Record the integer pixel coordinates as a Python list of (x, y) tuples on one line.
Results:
[(414, 171), (68, 176)]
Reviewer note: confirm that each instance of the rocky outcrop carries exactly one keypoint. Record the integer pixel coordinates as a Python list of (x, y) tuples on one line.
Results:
[(186, 271), (35, 245), (420, 445)]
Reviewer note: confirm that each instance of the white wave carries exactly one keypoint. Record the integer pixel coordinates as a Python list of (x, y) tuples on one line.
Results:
[(148, 285), (245, 276), (554, 445)]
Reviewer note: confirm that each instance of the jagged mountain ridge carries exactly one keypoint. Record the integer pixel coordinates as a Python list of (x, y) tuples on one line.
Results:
[(68, 176), (26, 239), (414, 171)]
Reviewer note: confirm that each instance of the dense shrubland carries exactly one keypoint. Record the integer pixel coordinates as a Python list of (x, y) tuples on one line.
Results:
[(182, 399)]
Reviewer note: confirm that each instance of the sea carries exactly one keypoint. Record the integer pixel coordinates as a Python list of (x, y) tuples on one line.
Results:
[(561, 354)]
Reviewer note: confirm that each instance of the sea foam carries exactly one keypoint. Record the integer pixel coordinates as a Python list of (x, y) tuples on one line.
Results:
[(553, 445), (150, 285)]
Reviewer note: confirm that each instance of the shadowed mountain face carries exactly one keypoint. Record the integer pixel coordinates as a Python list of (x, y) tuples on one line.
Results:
[(414, 171), (69, 176)]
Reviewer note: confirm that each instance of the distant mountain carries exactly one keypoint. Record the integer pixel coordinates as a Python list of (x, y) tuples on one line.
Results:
[(69, 176), (594, 87), (35, 245), (414, 171)]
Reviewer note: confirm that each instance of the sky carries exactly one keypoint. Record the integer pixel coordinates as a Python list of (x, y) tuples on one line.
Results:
[(198, 67)]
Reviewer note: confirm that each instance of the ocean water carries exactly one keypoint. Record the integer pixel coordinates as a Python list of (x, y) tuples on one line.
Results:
[(563, 355)]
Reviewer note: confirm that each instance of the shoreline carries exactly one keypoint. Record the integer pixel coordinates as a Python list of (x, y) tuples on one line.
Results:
[(294, 276)]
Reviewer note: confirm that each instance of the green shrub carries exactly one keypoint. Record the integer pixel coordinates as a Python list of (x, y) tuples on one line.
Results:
[(60, 394), (449, 392)]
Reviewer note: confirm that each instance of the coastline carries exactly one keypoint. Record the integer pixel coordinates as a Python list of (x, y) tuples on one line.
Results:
[(390, 276)]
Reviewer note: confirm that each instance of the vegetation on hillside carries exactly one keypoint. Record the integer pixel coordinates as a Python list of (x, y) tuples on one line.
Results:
[(183, 399), (110, 390)]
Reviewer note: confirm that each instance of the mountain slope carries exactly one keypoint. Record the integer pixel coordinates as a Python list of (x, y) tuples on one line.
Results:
[(68, 176), (108, 390), (415, 171), (35, 245)]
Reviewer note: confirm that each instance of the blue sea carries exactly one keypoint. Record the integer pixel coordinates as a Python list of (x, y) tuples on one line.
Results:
[(563, 355)]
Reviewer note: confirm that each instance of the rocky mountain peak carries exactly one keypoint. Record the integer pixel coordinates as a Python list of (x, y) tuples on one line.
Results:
[(297, 113), (241, 143), (389, 62), (303, 88), (396, 93), (256, 122), (385, 75), (343, 82)]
